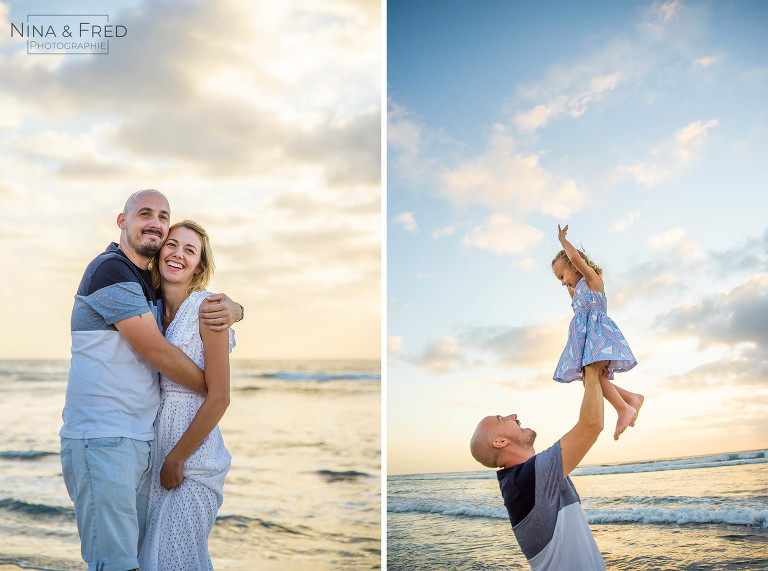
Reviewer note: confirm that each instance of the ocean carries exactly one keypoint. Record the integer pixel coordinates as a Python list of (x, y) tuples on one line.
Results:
[(699, 513), (304, 491)]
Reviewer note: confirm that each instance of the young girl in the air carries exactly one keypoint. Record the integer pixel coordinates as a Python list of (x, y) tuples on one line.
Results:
[(592, 335)]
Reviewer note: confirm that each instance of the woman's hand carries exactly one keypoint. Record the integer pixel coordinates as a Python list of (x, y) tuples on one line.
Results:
[(561, 232), (172, 472)]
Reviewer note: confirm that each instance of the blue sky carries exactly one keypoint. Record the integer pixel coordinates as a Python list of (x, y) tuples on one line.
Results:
[(642, 125), (262, 121)]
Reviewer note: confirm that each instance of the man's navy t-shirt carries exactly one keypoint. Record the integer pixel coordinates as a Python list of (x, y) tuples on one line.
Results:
[(546, 515)]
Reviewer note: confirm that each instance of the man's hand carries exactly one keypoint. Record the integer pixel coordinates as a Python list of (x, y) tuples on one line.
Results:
[(172, 472), (219, 312)]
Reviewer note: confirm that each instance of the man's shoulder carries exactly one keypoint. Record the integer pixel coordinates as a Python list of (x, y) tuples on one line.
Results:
[(544, 457), (552, 456), (108, 268), (110, 260), (520, 479)]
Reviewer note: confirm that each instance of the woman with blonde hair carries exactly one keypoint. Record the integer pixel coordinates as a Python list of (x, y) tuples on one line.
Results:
[(190, 460)]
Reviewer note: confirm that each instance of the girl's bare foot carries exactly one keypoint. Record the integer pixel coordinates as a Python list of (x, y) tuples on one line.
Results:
[(626, 417), (635, 401)]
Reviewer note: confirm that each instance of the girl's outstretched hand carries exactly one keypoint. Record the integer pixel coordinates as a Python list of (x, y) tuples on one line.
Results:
[(561, 232)]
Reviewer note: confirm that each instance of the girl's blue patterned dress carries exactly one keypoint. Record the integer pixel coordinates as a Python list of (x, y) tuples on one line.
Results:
[(592, 337)]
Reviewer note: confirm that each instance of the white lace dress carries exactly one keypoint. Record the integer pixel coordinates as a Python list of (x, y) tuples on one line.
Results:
[(179, 520)]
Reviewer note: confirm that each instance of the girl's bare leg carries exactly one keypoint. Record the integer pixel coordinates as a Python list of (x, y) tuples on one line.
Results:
[(632, 399), (626, 413)]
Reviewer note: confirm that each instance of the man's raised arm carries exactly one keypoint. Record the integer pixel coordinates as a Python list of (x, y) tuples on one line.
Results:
[(142, 333), (575, 445)]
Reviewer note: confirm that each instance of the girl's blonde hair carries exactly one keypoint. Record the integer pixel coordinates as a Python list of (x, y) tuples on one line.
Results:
[(206, 266), (590, 263)]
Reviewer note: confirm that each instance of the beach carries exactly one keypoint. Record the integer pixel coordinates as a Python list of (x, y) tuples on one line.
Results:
[(301, 493), (707, 512)]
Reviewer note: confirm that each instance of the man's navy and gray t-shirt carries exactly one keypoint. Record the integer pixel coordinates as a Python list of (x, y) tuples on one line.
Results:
[(546, 514), (112, 390)]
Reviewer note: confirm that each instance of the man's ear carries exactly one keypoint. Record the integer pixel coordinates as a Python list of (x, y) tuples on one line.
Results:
[(121, 221), (499, 442)]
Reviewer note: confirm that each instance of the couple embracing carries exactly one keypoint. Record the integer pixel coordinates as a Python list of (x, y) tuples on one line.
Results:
[(143, 459)]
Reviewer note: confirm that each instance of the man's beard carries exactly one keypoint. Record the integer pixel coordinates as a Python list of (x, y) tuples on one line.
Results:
[(526, 440), (146, 249)]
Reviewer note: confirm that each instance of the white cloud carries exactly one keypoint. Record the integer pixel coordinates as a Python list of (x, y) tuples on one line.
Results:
[(641, 289), (406, 220), (672, 155), (694, 134), (441, 357), (705, 61), (662, 16), (570, 89), (394, 344), (563, 201), (403, 135), (623, 223), (539, 115), (668, 239), (647, 174), (500, 178), (503, 235), (527, 346), (675, 239), (415, 151), (564, 98), (447, 231), (734, 319), (669, 10), (224, 132), (508, 181)]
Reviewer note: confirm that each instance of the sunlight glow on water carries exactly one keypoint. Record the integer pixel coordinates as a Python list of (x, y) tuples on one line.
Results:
[(301, 493)]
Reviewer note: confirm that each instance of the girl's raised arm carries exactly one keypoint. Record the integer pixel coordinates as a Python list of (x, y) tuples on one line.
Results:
[(593, 280)]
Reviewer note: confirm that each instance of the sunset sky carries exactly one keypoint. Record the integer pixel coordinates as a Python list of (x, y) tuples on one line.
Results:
[(259, 120), (642, 125)]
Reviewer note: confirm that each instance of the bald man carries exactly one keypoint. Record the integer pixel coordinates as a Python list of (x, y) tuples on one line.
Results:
[(545, 511), (113, 391)]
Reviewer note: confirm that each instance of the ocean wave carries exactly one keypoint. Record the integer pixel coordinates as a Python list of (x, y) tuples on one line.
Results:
[(245, 521), (712, 461), (347, 476), (749, 517), (26, 454), (734, 459), (36, 510), (320, 377), (737, 516), (450, 510), (247, 389), (485, 475)]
